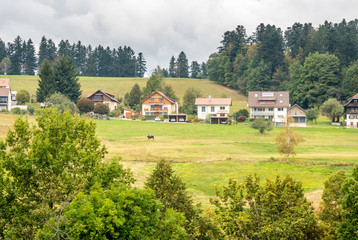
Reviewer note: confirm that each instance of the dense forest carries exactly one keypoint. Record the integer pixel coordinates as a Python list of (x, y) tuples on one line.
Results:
[(314, 64), (20, 58)]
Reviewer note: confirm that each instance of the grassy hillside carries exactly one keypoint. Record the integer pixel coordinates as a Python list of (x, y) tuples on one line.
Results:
[(120, 86)]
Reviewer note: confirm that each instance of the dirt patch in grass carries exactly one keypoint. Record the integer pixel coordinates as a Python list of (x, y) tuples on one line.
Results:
[(315, 197)]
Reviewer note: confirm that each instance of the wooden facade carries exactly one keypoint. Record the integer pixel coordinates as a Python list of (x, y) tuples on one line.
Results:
[(105, 98), (158, 104), (299, 116), (351, 108)]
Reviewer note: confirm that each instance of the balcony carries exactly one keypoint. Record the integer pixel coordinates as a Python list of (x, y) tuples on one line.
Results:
[(261, 113), (223, 111), (155, 110)]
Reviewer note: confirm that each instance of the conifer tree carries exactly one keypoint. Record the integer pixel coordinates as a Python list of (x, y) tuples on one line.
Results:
[(182, 66), (65, 76), (47, 84), (30, 58), (172, 68), (141, 65)]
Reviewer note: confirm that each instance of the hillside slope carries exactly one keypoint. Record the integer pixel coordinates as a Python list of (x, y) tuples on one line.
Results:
[(120, 86)]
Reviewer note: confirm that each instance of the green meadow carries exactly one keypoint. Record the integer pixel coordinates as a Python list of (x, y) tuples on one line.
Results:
[(205, 155)]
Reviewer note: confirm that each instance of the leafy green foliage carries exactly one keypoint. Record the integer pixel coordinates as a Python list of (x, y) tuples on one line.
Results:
[(332, 109), (287, 140), (331, 209), (61, 102), (350, 81), (276, 210), (22, 96), (169, 92), (261, 124), (189, 100), (312, 114), (348, 228), (45, 166), (242, 112), (171, 191), (101, 108), (85, 105), (155, 82), (134, 97)]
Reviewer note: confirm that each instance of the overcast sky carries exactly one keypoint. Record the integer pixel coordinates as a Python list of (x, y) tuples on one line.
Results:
[(159, 28)]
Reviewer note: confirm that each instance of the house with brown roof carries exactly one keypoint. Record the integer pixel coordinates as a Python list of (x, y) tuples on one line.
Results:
[(5, 98), (105, 98), (158, 104), (299, 116), (217, 108), (5, 83), (351, 108), (271, 105)]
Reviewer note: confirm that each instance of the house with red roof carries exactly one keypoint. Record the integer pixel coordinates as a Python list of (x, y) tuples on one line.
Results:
[(157, 103), (217, 108), (101, 96), (352, 112)]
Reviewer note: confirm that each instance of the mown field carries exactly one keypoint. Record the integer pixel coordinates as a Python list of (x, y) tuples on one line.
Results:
[(120, 86)]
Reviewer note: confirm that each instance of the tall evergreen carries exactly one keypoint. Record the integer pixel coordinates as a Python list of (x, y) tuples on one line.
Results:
[(30, 58), (194, 69), (80, 57), (172, 68), (141, 65), (134, 97), (91, 63), (16, 56), (65, 76), (2, 50), (204, 70), (43, 51), (182, 66), (51, 50), (47, 84), (64, 48)]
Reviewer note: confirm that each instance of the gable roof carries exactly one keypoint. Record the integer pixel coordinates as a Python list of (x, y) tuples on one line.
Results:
[(4, 92), (213, 101), (276, 98), (160, 93), (110, 96), (296, 105), (350, 99), (4, 82)]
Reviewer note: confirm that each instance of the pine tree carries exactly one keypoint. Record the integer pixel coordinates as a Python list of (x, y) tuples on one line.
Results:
[(141, 65), (194, 69), (182, 66), (91, 64), (65, 76), (47, 84), (43, 54), (16, 56), (2, 50), (172, 68), (30, 58)]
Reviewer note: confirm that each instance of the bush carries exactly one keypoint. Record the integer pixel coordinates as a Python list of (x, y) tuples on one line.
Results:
[(22, 96), (242, 112), (101, 108), (4, 110), (85, 105), (31, 110), (196, 119), (241, 119), (16, 111), (61, 102)]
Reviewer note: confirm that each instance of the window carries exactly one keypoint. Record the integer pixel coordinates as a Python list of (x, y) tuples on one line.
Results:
[(161, 99), (97, 97), (147, 113), (203, 109), (295, 112), (212, 109), (280, 94), (222, 108), (271, 109), (261, 109), (270, 117), (280, 109), (281, 101), (152, 114), (151, 107), (160, 107), (3, 99), (262, 102), (256, 95), (151, 99)]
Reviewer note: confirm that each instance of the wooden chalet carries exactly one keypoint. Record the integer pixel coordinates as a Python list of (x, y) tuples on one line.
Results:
[(158, 104), (101, 96), (351, 108)]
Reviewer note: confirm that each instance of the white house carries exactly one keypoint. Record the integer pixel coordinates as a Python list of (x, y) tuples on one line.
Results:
[(217, 108), (352, 112), (271, 105)]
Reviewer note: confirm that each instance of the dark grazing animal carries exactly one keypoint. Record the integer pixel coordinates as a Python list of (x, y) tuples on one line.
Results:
[(150, 137)]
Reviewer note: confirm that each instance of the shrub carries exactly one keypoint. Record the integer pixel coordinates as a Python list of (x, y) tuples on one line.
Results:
[(4, 110), (101, 108), (196, 119), (61, 102), (85, 105), (16, 111), (242, 112), (31, 110), (22, 96), (241, 119)]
